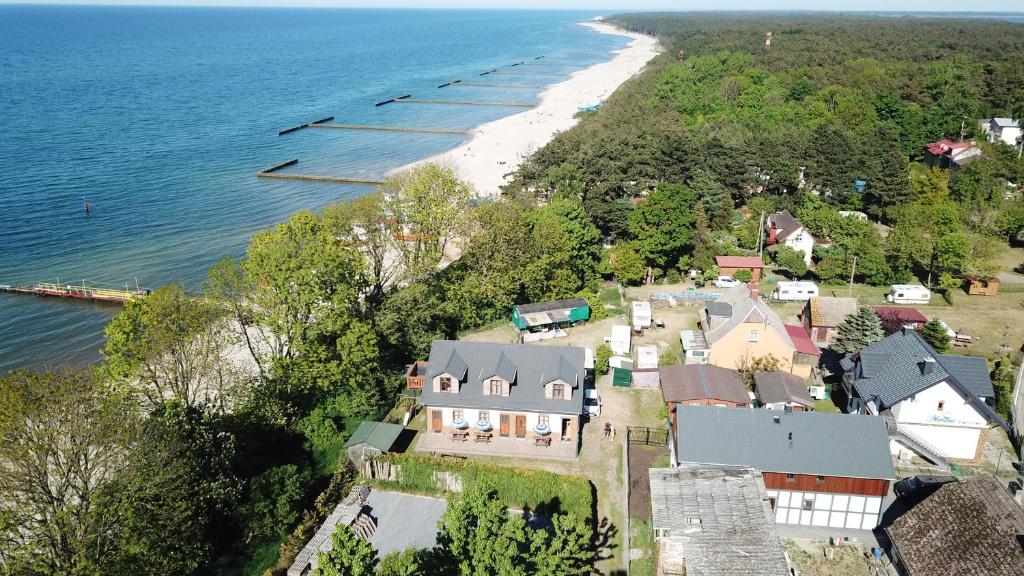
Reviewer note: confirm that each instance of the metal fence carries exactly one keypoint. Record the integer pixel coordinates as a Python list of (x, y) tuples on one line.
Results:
[(647, 436)]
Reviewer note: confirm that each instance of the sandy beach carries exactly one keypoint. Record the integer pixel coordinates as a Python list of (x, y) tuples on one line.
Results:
[(497, 148)]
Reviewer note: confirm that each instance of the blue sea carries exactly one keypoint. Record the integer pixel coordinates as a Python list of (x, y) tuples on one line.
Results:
[(161, 118)]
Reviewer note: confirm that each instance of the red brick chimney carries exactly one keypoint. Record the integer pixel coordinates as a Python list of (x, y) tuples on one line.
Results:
[(755, 290)]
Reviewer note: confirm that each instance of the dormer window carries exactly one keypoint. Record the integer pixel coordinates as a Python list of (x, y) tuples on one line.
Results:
[(496, 387), (558, 390), (446, 384)]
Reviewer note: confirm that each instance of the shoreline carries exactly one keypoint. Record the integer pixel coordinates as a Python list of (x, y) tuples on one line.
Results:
[(499, 147)]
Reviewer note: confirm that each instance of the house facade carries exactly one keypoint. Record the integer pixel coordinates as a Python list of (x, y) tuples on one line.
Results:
[(933, 404), (1005, 130), (950, 155), (503, 398), (784, 229), (823, 470), (822, 316), (739, 327)]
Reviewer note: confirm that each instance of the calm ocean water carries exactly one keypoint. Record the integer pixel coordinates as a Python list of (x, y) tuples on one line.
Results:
[(161, 117)]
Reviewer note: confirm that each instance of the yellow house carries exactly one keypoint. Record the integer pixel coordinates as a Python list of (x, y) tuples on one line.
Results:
[(739, 328)]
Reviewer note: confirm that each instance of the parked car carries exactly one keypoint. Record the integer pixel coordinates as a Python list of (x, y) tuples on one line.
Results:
[(726, 282), (920, 487), (591, 403)]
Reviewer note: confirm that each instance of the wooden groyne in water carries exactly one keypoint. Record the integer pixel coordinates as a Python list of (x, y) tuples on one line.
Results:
[(321, 121), (488, 72), (453, 82), (272, 172), (393, 129), (467, 102), (395, 99), (306, 125)]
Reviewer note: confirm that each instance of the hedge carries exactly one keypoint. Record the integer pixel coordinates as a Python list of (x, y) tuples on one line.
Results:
[(516, 487)]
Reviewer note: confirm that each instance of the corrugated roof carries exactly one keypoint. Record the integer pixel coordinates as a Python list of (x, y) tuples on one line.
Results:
[(680, 383), (777, 386), (534, 366), (815, 443), (829, 311), (966, 527), (715, 522), (380, 435), (566, 304), (739, 262), (802, 341)]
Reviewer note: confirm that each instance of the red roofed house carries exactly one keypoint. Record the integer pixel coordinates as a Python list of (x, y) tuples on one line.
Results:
[(730, 265), (894, 318), (949, 154)]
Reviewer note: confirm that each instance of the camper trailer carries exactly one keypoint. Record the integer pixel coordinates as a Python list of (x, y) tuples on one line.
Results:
[(908, 294), (795, 291), (641, 315), (620, 340)]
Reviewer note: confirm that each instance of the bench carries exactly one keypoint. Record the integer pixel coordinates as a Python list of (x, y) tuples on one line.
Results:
[(546, 441)]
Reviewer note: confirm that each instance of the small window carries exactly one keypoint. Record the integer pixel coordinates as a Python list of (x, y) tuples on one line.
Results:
[(820, 479), (942, 405), (753, 336), (542, 420), (808, 504), (558, 390), (485, 416), (496, 387), (446, 384), (456, 414), (790, 478)]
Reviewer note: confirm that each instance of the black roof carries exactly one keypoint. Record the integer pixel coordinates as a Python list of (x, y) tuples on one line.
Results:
[(567, 303)]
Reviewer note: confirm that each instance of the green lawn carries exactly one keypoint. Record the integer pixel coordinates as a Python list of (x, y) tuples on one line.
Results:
[(612, 300), (642, 537), (825, 406)]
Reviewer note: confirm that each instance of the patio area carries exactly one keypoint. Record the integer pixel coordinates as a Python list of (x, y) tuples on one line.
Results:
[(404, 520), (443, 443)]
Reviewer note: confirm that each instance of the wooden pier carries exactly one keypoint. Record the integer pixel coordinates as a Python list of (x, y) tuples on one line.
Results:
[(272, 172), (467, 102), (495, 85), (393, 129)]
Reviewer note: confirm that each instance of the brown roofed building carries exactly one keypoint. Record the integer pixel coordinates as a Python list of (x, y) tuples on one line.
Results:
[(822, 314), (895, 318), (966, 527), (730, 265), (779, 390), (702, 385), (978, 286)]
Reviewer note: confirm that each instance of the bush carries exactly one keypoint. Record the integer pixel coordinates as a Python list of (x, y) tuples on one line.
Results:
[(516, 487), (668, 358), (602, 356), (743, 275), (597, 309), (673, 276)]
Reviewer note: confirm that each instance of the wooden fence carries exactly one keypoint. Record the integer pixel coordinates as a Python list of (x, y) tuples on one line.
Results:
[(648, 436)]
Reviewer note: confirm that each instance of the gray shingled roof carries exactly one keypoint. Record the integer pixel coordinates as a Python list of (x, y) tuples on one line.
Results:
[(785, 222), (891, 370), (778, 386), (566, 304), (743, 306), (967, 527), (735, 534), (720, 309), (816, 443), (533, 366)]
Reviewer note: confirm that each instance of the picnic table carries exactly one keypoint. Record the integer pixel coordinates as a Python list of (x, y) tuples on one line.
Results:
[(483, 437), (543, 441), (460, 436)]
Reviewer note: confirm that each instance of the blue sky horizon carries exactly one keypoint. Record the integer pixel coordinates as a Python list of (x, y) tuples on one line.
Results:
[(923, 6)]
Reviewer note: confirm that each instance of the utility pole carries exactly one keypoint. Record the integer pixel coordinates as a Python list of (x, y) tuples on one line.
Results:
[(760, 234), (962, 126), (853, 270)]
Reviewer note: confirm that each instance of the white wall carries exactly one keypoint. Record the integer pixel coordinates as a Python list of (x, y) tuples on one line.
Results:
[(1008, 135), (840, 511), (953, 431), (801, 241), (472, 415)]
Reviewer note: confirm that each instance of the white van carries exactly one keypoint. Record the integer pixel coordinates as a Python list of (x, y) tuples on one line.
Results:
[(909, 294), (794, 291)]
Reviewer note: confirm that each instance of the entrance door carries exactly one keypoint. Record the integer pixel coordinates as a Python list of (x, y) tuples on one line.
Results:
[(435, 420), (520, 425), (503, 427), (566, 428)]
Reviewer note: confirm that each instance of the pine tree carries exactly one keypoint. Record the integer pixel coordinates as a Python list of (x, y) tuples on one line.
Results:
[(858, 331), (934, 333)]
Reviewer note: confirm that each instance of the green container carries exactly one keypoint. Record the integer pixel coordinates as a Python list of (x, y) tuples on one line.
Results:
[(622, 377)]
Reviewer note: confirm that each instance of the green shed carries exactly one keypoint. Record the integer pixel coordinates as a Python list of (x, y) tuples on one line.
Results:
[(554, 313), (371, 439), (622, 377)]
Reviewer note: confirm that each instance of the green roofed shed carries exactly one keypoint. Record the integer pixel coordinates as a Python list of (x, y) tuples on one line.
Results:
[(553, 313), (371, 439)]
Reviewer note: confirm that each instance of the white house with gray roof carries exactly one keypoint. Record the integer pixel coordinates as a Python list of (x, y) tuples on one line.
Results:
[(823, 470), (1002, 130), (933, 404), (508, 399)]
